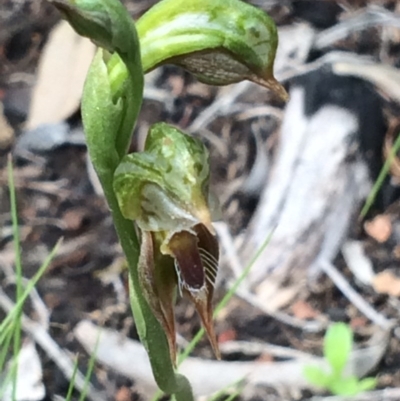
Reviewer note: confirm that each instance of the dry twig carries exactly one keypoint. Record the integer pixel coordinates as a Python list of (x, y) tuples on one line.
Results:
[(356, 299)]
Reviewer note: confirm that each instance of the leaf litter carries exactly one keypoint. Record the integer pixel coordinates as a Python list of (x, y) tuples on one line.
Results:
[(88, 278)]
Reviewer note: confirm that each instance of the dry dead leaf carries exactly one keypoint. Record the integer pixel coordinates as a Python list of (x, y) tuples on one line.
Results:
[(385, 77), (387, 283), (380, 228), (227, 335), (303, 310), (74, 218), (52, 300), (358, 262), (358, 322), (265, 358), (61, 74), (123, 394), (396, 252)]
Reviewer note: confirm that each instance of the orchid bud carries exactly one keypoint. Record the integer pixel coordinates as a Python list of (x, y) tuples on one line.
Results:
[(165, 191), (220, 42)]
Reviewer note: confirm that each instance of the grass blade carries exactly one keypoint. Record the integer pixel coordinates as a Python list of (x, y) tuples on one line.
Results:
[(18, 274), (381, 178)]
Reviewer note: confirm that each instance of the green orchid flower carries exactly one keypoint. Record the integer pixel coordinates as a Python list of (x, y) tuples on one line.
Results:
[(165, 191), (171, 247), (220, 42)]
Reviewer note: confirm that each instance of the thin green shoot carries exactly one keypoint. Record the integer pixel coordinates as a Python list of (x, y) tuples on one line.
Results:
[(18, 273), (234, 395), (11, 326), (11, 316), (89, 372), (72, 382), (381, 178), (5, 346), (10, 373)]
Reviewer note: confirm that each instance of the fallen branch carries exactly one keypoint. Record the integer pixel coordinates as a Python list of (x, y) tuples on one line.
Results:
[(129, 358)]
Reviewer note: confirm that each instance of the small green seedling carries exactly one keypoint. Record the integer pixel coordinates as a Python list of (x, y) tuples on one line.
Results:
[(338, 343)]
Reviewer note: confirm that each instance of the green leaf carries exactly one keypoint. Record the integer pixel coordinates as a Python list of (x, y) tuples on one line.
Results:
[(316, 376), (369, 383), (338, 343), (344, 386)]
